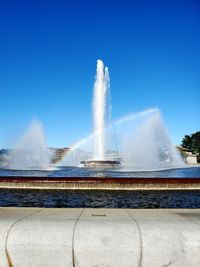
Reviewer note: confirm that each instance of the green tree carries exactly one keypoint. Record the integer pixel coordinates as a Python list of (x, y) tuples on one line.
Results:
[(192, 142), (187, 142)]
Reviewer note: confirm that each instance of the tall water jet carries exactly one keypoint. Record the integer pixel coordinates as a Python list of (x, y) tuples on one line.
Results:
[(100, 110), (31, 151), (101, 88)]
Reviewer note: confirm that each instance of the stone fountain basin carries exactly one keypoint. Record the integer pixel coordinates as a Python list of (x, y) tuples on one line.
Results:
[(100, 164)]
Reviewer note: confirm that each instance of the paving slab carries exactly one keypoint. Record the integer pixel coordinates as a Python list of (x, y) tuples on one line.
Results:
[(44, 239), (168, 238), (193, 215), (106, 238), (8, 217)]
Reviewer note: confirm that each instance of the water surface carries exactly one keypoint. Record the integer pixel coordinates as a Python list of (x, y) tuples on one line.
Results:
[(90, 172), (99, 199)]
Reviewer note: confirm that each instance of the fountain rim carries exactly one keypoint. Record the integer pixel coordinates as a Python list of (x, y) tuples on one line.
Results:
[(100, 163)]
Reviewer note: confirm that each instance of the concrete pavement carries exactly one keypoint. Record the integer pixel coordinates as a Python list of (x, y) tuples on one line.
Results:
[(99, 237)]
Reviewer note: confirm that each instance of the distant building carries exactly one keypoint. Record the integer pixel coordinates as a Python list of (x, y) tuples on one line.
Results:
[(115, 155), (4, 155), (57, 154), (187, 155)]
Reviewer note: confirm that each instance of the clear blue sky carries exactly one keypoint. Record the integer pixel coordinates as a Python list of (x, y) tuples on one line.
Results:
[(48, 53)]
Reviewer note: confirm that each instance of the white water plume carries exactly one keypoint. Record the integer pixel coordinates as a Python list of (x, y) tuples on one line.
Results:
[(145, 145), (101, 87), (140, 142), (31, 151)]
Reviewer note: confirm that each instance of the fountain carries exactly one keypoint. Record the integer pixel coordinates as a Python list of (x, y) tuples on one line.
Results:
[(31, 152), (101, 89), (136, 142)]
